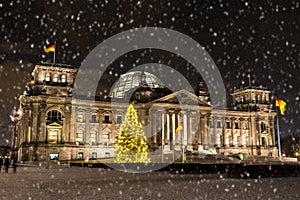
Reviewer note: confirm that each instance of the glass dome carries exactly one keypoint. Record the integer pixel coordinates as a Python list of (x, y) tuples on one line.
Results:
[(132, 80)]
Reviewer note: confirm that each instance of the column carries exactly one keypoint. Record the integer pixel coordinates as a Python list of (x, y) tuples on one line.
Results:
[(201, 126), (34, 125), (153, 124), (67, 125), (272, 126), (163, 129), (87, 126), (168, 129), (190, 128), (173, 131), (213, 141), (253, 130), (232, 130), (185, 129), (259, 131), (43, 118), (205, 133), (113, 130), (100, 133), (179, 122), (72, 133), (241, 132)]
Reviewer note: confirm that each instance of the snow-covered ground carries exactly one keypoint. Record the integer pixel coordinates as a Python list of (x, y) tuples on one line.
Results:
[(94, 183)]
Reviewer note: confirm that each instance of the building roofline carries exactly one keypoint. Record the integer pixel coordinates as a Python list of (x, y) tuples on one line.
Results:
[(56, 65)]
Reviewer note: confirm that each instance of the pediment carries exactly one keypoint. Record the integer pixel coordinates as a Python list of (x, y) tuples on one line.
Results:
[(54, 125), (182, 97)]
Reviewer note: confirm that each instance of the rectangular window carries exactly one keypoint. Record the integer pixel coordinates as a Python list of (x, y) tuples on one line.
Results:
[(80, 155), (80, 118), (219, 125), (52, 136), (93, 138), (53, 156), (94, 119), (94, 155), (211, 124), (236, 125), (119, 120), (106, 119), (228, 125)]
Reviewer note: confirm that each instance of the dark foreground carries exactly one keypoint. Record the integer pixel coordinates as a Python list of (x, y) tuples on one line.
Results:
[(99, 183)]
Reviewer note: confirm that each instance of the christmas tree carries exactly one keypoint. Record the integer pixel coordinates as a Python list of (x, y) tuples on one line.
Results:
[(131, 142)]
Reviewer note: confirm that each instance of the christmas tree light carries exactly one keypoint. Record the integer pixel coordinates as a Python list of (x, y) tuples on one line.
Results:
[(131, 143)]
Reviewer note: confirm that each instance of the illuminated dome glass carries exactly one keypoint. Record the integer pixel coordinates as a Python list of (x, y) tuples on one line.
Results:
[(132, 80)]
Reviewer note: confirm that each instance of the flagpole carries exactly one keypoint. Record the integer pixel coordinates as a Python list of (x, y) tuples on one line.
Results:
[(54, 52), (278, 135), (249, 79)]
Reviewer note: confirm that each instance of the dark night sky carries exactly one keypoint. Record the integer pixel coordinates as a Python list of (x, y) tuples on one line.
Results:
[(261, 37)]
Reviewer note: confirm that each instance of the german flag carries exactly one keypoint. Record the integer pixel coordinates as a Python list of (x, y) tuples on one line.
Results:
[(281, 104), (50, 49)]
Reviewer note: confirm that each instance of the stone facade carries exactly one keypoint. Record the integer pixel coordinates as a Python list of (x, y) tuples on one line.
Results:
[(53, 124)]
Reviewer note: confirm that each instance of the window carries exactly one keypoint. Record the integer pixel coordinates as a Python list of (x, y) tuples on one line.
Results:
[(236, 125), (258, 98), (94, 155), (228, 125), (106, 119), (53, 156), (54, 115), (63, 78), (211, 124), (94, 118), (263, 98), (79, 136), (47, 78), (263, 127), (80, 118), (119, 120), (106, 136), (52, 138), (235, 140), (93, 138), (55, 78), (245, 140), (227, 139), (218, 140), (93, 135), (219, 125), (245, 126), (80, 155)]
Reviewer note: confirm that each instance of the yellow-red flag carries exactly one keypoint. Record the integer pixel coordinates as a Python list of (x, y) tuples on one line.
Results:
[(50, 49), (281, 104), (180, 127)]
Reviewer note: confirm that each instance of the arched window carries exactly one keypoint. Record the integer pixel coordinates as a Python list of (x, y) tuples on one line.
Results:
[(263, 127), (63, 78), (55, 78), (54, 115), (47, 77)]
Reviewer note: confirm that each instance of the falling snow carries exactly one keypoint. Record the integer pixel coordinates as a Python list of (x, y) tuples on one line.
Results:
[(241, 36)]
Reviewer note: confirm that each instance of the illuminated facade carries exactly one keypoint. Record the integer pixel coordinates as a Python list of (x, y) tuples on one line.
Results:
[(52, 124)]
